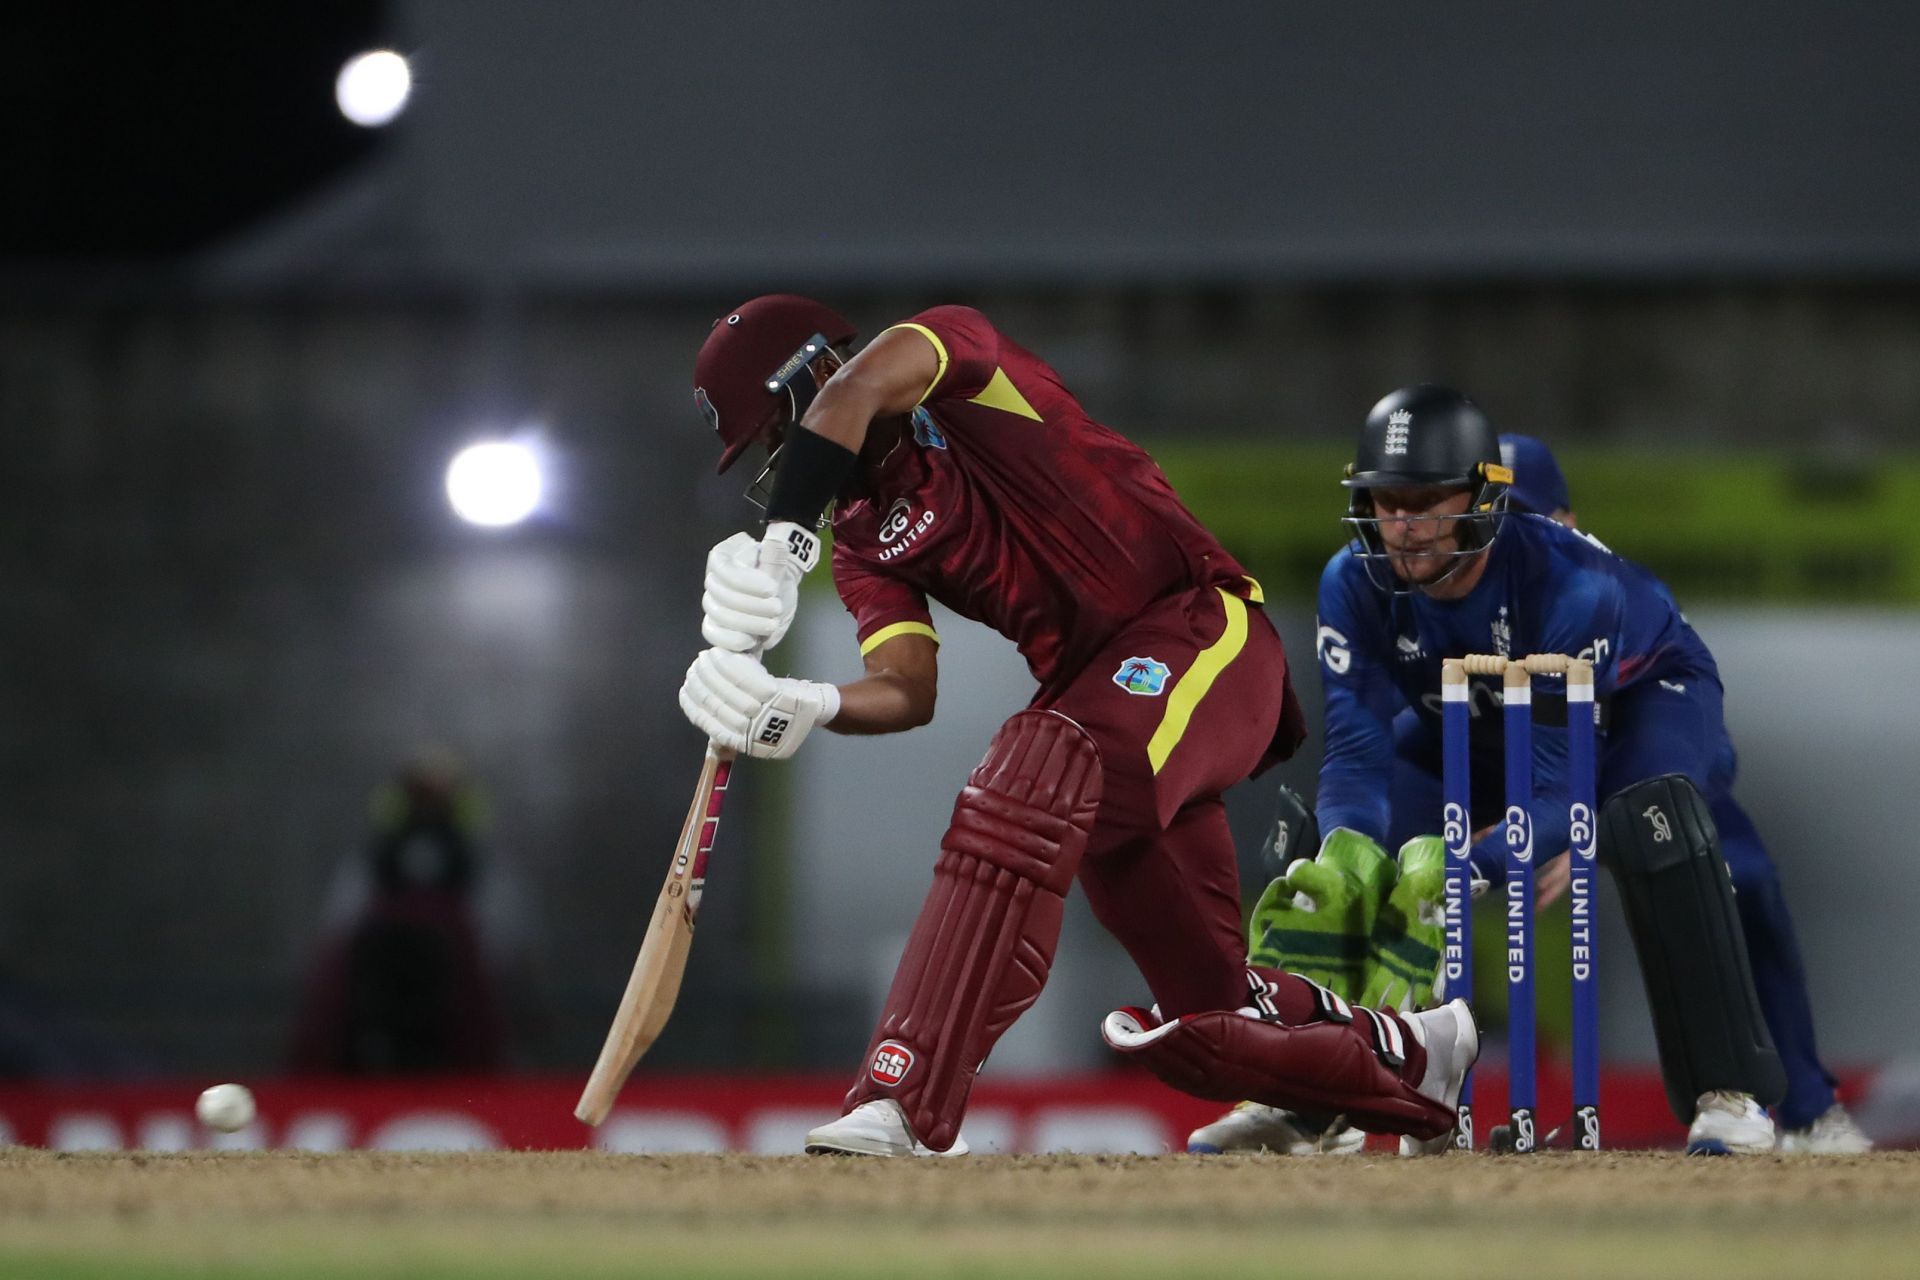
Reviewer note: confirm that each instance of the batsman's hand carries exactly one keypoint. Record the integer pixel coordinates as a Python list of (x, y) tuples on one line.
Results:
[(1316, 919), (743, 708), (753, 587), (740, 604)]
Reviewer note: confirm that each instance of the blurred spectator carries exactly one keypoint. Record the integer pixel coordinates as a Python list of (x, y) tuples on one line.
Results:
[(410, 972)]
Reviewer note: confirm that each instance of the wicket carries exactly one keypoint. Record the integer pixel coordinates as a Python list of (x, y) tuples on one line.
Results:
[(1457, 833)]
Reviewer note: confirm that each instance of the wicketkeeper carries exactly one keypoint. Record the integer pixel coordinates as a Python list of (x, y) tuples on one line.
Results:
[(955, 466), (1440, 566)]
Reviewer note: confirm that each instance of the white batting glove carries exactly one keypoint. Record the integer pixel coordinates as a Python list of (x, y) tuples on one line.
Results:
[(752, 588), (739, 705), (741, 605)]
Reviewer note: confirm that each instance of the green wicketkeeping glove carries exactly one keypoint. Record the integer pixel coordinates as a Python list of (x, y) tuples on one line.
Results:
[(1317, 918), (1403, 952)]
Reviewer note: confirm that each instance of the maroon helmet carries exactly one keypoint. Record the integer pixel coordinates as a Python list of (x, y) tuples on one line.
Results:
[(741, 377)]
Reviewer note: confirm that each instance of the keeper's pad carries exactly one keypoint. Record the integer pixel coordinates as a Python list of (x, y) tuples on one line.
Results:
[(981, 949), (1659, 839), (1344, 1061)]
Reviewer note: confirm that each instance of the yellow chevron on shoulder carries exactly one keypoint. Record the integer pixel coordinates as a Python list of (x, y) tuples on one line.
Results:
[(1001, 394)]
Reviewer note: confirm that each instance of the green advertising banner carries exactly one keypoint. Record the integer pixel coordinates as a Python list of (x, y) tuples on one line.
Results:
[(1734, 527)]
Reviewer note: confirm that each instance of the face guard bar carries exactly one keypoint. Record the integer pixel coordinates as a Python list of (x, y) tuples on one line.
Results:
[(1477, 528), (800, 395)]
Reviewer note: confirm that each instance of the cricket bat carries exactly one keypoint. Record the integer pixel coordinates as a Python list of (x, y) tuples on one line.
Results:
[(655, 984)]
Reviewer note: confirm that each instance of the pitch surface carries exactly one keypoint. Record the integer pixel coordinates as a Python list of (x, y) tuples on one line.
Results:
[(531, 1215)]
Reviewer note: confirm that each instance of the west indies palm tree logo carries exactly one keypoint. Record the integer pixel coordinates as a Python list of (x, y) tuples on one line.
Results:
[(926, 432), (1144, 676)]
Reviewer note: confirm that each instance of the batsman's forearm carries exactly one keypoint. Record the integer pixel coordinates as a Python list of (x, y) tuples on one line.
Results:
[(883, 703)]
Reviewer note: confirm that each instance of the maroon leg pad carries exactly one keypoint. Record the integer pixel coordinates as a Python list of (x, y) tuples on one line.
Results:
[(1365, 1068), (981, 949)]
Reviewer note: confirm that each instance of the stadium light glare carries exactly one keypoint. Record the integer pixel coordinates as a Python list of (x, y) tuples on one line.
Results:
[(496, 483), (373, 87)]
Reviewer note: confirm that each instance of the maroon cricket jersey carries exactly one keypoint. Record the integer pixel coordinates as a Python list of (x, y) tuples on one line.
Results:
[(1011, 506)]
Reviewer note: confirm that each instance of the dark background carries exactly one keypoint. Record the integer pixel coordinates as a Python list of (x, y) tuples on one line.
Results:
[(239, 339)]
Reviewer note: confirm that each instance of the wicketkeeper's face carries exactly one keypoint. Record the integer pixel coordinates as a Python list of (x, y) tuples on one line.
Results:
[(1420, 529)]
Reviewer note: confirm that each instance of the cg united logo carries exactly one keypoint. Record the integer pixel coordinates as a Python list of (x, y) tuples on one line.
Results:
[(891, 1062), (899, 516), (1332, 647), (1519, 833), (1453, 831), (900, 530), (1580, 830)]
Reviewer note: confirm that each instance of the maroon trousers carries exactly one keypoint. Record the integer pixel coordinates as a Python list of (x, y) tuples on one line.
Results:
[(1115, 776), (1160, 871)]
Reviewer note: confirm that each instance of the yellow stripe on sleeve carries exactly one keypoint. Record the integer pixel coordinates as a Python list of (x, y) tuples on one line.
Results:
[(939, 349), (887, 633), (1198, 679)]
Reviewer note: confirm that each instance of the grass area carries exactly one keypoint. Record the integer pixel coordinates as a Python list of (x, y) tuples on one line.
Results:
[(1488, 1246)]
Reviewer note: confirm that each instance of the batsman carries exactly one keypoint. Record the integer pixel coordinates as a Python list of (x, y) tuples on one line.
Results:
[(1442, 563), (955, 466)]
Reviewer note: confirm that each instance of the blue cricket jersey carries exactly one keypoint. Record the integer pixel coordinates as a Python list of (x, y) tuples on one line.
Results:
[(1546, 589)]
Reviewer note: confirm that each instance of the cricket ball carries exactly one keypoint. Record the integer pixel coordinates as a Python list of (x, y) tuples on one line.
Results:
[(226, 1107)]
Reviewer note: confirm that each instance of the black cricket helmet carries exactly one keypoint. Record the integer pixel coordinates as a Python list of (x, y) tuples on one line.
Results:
[(1426, 436)]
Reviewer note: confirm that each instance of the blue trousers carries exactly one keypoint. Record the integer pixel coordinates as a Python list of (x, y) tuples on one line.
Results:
[(1660, 727)]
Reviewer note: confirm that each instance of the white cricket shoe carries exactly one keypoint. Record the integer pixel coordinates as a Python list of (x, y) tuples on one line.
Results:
[(1833, 1134), (877, 1128), (1726, 1123), (1254, 1126), (1452, 1042)]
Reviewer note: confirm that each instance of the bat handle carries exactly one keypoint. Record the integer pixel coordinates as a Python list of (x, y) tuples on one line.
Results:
[(716, 773)]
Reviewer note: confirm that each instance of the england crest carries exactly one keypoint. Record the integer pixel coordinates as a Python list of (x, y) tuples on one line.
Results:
[(1146, 677)]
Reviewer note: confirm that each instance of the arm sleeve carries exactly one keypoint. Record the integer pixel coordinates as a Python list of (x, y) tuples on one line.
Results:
[(968, 348), (882, 607), (1356, 772)]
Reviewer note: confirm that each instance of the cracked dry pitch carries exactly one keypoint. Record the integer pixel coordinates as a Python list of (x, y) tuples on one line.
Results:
[(574, 1214)]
